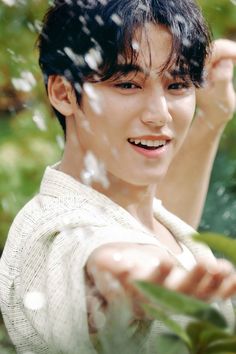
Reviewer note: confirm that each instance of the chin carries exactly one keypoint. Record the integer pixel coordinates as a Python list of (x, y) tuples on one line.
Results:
[(145, 179)]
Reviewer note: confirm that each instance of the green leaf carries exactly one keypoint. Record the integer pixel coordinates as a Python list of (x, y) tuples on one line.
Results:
[(169, 344), (169, 323), (203, 334), (223, 346), (219, 243), (211, 335), (183, 304)]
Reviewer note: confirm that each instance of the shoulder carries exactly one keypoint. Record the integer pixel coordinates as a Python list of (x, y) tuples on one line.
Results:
[(36, 224)]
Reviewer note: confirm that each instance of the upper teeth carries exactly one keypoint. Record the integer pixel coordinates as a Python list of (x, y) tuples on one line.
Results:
[(150, 143)]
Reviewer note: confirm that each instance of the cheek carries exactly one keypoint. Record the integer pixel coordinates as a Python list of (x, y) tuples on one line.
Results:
[(114, 119), (100, 130), (184, 111)]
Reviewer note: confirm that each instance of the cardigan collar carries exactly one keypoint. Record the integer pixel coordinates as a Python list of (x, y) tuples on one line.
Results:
[(60, 185)]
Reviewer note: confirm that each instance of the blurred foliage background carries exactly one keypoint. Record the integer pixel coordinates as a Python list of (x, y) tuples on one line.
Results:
[(30, 137)]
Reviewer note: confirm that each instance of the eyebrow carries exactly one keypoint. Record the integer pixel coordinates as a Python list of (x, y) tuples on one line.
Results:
[(130, 68), (126, 69)]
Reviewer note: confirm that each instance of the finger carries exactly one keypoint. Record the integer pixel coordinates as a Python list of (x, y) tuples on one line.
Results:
[(216, 275), (209, 286), (160, 273), (108, 285), (191, 280), (222, 71), (228, 287), (176, 277), (155, 275), (225, 266), (223, 49)]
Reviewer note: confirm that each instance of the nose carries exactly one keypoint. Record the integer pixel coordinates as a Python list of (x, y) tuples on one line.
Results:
[(156, 111)]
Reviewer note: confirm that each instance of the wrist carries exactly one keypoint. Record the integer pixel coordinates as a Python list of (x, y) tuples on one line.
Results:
[(207, 126)]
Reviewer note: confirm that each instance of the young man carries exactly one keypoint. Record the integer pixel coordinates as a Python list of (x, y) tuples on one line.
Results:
[(122, 78)]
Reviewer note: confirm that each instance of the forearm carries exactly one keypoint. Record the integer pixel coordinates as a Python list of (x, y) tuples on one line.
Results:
[(184, 188)]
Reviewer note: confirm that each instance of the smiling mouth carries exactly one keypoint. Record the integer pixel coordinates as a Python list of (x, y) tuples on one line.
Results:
[(148, 144)]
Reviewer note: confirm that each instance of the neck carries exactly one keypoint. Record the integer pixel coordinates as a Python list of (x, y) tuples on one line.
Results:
[(137, 200)]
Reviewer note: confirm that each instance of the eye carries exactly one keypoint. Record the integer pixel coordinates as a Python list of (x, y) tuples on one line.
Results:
[(183, 85), (127, 86)]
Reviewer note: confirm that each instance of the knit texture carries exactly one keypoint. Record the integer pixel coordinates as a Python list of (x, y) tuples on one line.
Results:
[(46, 251)]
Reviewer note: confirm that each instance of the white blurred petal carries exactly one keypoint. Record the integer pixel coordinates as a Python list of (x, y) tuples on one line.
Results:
[(25, 82), (39, 120), (34, 300), (9, 2), (94, 171), (93, 58), (116, 18)]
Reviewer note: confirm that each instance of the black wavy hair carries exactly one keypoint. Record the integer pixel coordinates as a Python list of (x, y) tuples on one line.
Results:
[(83, 39)]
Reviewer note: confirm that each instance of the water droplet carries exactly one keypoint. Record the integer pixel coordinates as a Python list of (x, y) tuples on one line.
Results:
[(94, 171), (9, 50), (60, 142), (115, 152), (25, 82), (94, 98), (9, 2), (186, 42), (34, 300), (91, 92), (39, 121), (77, 59), (135, 46), (226, 215), (86, 126), (180, 18), (38, 25), (223, 107), (5, 204), (116, 18), (86, 30), (103, 2), (220, 191), (93, 58), (86, 177), (193, 62), (143, 7), (99, 20)]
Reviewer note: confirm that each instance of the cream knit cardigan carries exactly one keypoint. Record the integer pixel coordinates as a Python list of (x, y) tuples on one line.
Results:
[(46, 251)]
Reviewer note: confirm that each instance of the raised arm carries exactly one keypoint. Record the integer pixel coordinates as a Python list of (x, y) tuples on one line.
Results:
[(185, 186)]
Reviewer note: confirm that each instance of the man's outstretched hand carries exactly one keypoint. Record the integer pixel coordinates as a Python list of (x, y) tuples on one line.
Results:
[(114, 268)]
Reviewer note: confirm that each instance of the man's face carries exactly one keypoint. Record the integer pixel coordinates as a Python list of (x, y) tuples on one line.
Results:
[(137, 122)]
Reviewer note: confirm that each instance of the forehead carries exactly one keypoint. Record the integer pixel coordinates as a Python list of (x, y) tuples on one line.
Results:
[(153, 44)]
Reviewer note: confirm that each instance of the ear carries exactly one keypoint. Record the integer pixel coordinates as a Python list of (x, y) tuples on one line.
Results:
[(61, 95)]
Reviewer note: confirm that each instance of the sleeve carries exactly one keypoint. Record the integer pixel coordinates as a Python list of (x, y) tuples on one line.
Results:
[(53, 267)]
